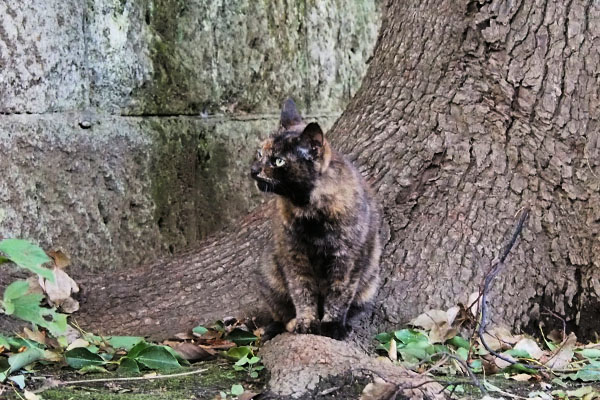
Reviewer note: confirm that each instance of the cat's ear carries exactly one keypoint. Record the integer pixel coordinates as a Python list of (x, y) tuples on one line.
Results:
[(313, 135), (289, 114)]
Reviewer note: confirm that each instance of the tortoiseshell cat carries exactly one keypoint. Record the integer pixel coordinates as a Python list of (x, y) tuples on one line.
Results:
[(323, 263)]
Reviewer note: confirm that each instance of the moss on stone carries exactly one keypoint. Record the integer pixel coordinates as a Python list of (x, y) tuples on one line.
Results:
[(219, 376)]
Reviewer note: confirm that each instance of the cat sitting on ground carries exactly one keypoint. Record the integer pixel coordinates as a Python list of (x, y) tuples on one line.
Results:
[(322, 266)]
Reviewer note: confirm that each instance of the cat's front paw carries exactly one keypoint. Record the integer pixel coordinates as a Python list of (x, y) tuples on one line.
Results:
[(334, 329), (271, 330), (303, 325)]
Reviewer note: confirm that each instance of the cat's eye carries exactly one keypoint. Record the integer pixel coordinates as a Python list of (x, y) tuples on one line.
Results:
[(258, 154), (279, 162)]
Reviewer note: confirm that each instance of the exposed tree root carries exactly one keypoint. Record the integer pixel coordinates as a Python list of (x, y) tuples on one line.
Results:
[(298, 363)]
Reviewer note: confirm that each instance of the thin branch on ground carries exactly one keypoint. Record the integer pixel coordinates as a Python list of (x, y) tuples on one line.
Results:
[(454, 384), (561, 319), (134, 378), (494, 271), (474, 380)]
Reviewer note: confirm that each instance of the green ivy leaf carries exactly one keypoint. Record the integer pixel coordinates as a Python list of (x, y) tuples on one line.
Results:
[(28, 308), (81, 357), (458, 341), (477, 366), (138, 348), (19, 380), (218, 326), (590, 353), (589, 373), (181, 360), (27, 255), (238, 353), (383, 346), (19, 360), (15, 290), (440, 348), (4, 369), (200, 330), (157, 357), (4, 342), (410, 335), (237, 390), (128, 366), (92, 368), (254, 360), (462, 353), (518, 353), (242, 361), (241, 337), (410, 354), (124, 342), (16, 343), (384, 337)]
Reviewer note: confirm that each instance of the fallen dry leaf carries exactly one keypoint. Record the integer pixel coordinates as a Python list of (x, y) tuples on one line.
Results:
[(36, 336), (451, 314), (489, 367), (78, 343), (393, 352), (530, 346), (34, 286), (247, 395), (191, 352), (184, 336), (61, 260), (440, 333), (439, 323), (563, 355), (429, 319), (219, 344), (500, 363), (520, 377), (53, 356), (378, 390), (585, 393), (59, 292), (210, 335), (500, 338), (474, 303), (30, 395), (556, 336)]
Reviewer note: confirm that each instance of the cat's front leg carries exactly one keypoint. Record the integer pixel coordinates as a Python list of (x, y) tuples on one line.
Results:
[(303, 290), (343, 283)]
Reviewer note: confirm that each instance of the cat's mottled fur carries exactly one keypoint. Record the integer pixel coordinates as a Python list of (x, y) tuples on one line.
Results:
[(323, 262)]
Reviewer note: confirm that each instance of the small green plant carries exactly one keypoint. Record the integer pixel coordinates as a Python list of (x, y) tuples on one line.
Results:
[(245, 360), (236, 390), (250, 365)]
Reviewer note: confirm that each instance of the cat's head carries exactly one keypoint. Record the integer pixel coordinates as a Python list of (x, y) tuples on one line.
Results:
[(290, 161)]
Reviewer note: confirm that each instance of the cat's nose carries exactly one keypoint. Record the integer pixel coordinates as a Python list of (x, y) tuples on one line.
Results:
[(255, 170)]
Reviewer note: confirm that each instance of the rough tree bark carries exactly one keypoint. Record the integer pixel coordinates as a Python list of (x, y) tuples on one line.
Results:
[(470, 111)]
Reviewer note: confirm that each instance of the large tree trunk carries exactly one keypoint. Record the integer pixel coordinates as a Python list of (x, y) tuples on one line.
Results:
[(470, 111)]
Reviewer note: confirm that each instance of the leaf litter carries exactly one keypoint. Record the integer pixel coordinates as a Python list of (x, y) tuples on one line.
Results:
[(52, 340), (436, 333)]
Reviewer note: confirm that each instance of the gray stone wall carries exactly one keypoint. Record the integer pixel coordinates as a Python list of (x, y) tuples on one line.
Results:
[(127, 126)]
